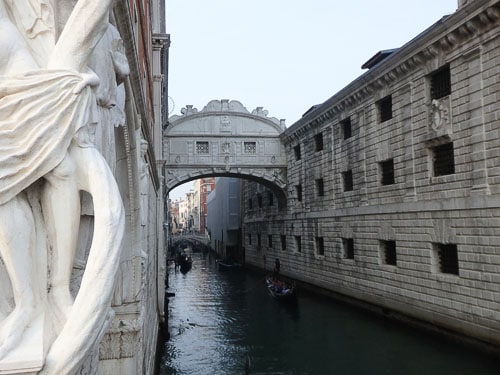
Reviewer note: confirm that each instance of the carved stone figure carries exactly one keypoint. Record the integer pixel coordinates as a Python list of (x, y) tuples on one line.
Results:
[(47, 107)]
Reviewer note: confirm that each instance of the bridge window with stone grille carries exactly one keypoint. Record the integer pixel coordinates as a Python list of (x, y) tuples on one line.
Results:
[(271, 198), (348, 248), (283, 242), (250, 204), (346, 128), (250, 147), (270, 241), (446, 258), (388, 252), (318, 142), (259, 200), (202, 147), (387, 172), (249, 238), (440, 82), (443, 159), (320, 187), (296, 151), (347, 180), (320, 246), (385, 108), (298, 243)]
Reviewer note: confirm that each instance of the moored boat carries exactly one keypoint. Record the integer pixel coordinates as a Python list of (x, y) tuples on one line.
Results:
[(227, 266)]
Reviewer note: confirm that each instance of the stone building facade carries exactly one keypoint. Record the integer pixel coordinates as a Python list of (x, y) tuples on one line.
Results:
[(393, 183), (130, 344)]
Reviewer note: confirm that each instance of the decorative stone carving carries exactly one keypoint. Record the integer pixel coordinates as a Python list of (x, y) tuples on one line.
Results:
[(439, 114), (48, 107)]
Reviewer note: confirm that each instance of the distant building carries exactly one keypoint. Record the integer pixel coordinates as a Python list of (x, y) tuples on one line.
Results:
[(224, 218), (202, 188)]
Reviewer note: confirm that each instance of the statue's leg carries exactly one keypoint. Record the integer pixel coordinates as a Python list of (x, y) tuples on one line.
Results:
[(92, 304), (17, 241), (61, 209)]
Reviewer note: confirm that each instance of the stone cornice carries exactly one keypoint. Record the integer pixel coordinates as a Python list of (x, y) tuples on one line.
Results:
[(451, 31)]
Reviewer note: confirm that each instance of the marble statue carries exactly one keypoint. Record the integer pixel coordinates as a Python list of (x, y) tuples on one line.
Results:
[(48, 106)]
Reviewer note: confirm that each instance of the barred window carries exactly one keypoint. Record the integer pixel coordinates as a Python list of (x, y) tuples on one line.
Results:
[(347, 180), (202, 147), (346, 128), (385, 108), (320, 188), (348, 247), (270, 241), (296, 151), (447, 258), (250, 204), (443, 159), (387, 172), (441, 83), (271, 198), (320, 246), (318, 142), (259, 200), (388, 250), (283, 242), (298, 243), (298, 190), (250, 147)]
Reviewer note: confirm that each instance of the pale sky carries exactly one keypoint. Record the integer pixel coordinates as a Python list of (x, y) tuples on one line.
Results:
[(283, 55)]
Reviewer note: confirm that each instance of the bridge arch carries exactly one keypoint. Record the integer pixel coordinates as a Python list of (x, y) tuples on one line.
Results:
[(225, 139)]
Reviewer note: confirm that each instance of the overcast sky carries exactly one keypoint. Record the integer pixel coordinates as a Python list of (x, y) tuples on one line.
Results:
[(283, 55)]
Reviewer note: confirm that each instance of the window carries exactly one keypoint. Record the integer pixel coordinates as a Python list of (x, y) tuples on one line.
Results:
[(347, 180), (446, 256), (202, 148), (440, 83), (385, 108), (250, 204), (298, 243), (249, 147), (298, 190), (388, 252), (283, 242), (320, 246), (259, 200), (318, 142), (346, 128), (443, 159), (259, 244), (320, 188), (387, 172), (270, 241), (296, 151), (271, 198), (249, 238), (348, 246)]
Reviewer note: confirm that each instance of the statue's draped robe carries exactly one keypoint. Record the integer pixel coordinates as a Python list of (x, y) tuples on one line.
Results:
[(39, 116)]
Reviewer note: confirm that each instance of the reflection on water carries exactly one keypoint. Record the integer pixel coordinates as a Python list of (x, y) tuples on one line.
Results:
[(218, 321)]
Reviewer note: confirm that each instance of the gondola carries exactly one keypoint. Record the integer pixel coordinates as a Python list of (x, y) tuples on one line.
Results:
[(281, 290), (227, 265), (185, 263)]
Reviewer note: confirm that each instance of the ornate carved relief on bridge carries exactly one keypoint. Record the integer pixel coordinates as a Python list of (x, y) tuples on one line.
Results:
[(225, 139)]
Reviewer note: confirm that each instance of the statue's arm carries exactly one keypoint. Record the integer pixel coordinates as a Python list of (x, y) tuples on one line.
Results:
[(85, 27)]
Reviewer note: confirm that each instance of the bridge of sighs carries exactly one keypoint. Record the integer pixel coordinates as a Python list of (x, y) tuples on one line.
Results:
[(225, 139)]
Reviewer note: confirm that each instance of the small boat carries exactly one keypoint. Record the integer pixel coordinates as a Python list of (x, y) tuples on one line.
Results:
[(280, 290), (185, 263), (227, 265)]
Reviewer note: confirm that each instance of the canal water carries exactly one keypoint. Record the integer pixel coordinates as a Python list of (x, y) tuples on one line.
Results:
[(218, 322)]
